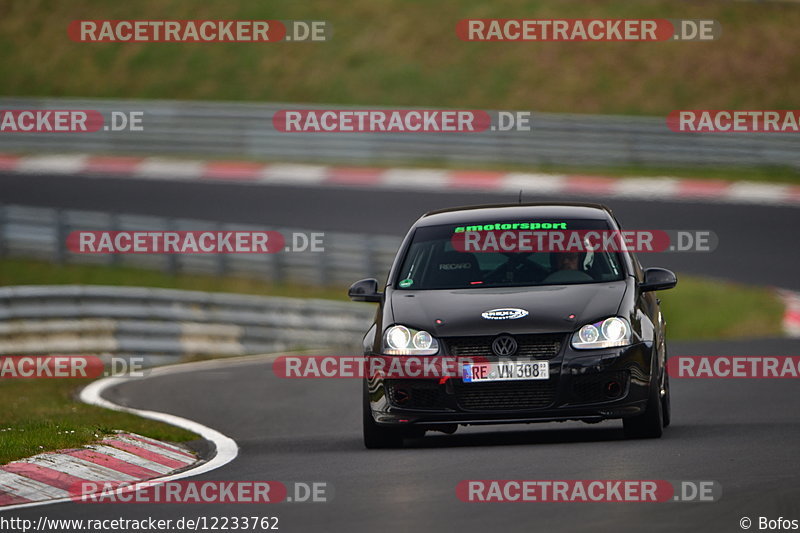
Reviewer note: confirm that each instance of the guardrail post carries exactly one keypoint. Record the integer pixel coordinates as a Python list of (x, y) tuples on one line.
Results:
[(222, 259), (323, 276), (61, 232), (115, 259), (369, 256), (3, 215), (279, 265), (172, 259)]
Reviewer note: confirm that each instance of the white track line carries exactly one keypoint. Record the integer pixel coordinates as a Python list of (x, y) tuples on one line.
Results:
[(226, 448)]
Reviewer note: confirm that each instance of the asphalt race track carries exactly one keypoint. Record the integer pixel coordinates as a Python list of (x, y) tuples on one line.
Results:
[(740, 433)]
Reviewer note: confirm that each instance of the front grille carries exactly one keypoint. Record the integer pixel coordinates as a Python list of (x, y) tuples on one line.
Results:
[(505, 395), (591, 388), (530, 346), (415, 393)]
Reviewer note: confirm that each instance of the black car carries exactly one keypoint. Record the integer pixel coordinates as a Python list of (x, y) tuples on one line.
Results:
[(535, 338)]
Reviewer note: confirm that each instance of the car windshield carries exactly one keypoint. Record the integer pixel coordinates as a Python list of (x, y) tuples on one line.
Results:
[(498, 255)]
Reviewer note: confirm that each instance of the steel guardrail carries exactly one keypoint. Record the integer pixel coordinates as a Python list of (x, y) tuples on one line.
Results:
[(162, 325), (244, 130)]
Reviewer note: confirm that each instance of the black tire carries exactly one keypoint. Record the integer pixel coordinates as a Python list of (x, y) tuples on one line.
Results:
[(375, 436), (650, 424), (666, 408)]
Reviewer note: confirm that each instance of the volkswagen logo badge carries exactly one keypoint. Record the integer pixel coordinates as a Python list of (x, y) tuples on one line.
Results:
[(504, 345)]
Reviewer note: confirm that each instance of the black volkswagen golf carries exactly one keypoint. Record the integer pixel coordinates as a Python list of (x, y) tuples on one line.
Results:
[(537, 331)]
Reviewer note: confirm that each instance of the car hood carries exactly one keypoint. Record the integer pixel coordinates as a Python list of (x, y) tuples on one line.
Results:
[(549, 308)]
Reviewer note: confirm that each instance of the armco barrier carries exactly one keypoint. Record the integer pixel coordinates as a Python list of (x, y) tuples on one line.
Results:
[(164, 325), (41, 233), (244, 130)]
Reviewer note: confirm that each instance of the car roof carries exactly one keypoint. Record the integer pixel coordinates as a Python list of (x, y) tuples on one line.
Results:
[(493, 212)]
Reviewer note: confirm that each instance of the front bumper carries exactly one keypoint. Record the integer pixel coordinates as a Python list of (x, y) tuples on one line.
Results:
[(589, 386)]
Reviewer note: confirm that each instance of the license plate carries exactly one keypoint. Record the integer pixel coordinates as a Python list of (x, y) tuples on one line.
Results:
[(511, 371)]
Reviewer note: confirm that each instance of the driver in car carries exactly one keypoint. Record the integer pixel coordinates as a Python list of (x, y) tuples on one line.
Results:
[(567, 268), (567, 261)]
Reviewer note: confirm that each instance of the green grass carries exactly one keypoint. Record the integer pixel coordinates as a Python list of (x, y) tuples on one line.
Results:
[(704, 308), (42, 415), (406, 53), (30, 272)]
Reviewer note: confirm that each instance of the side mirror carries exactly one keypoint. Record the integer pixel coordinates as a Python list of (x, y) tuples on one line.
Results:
[(365, 290), (658, 279)]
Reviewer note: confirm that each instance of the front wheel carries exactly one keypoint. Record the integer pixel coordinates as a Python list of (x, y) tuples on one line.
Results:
[(666, 407), (650, 424)]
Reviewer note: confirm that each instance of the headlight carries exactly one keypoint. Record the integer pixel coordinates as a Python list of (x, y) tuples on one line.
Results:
[(607, 333), (400, 340)]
